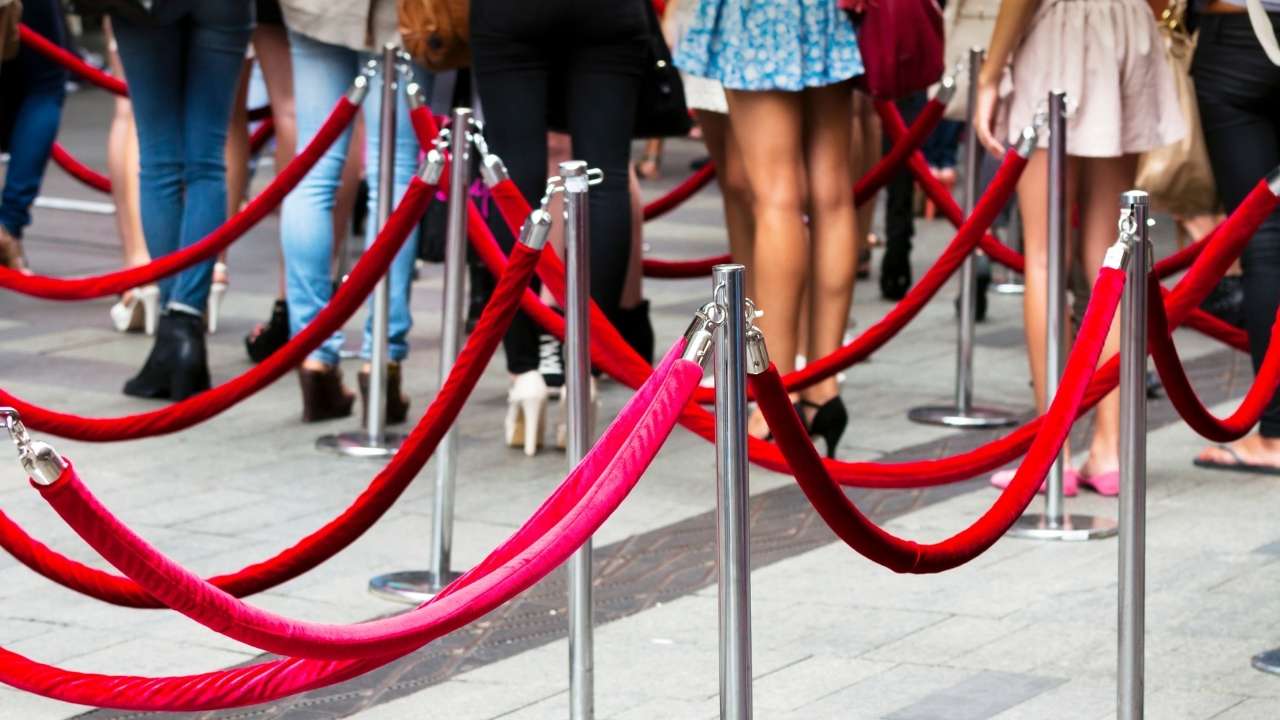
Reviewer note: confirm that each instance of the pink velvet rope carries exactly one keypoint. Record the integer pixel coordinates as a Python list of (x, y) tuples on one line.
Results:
[(196, 409), (364, 511), (114, 283), (465, 600)]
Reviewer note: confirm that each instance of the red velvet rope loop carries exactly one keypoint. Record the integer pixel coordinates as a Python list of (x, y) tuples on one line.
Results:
[(1178, 386), (906, 556), (78, 170), (114, 283)]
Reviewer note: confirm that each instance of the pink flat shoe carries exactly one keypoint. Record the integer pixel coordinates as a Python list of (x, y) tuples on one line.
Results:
[(1070, 481), (1105, 483)]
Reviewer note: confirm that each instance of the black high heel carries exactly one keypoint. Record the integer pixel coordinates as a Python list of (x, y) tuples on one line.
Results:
[(270, 337), (152, 381), (189, 374), (829, 421)]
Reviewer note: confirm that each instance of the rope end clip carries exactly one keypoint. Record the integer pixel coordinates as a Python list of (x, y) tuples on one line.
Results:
[(434, 163), (1027, 140), (946, 90), (700, 333), (757, 356), (41, 462), (360, 85), (1273, 182), (536, 228)]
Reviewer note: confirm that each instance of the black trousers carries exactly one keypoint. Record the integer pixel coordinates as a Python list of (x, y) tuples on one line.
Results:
[(1238, 90), (571, 65)]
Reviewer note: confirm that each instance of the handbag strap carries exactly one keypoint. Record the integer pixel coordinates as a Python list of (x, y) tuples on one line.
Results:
[(1261, 23)]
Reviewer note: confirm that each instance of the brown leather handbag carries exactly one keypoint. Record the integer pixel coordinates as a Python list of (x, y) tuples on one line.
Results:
[(436, 32)]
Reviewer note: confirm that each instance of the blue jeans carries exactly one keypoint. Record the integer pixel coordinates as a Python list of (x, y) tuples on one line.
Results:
[(182, 72), (322, 74), (31, 93)]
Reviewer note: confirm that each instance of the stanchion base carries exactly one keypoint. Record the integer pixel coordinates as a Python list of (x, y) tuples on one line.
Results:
[(1267, 662), (1008, 288), (412, 587), (359, 444), (1074, 528), (950, 416)]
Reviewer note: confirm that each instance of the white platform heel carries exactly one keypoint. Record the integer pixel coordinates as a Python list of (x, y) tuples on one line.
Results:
[(217, 292), (141, 311), (562, 427), (526, 412)]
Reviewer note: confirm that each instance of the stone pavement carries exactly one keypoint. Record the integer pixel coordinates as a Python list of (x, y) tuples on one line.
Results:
[(1026, 631)]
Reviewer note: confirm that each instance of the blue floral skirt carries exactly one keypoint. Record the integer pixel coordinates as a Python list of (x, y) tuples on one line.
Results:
[(770, 44)]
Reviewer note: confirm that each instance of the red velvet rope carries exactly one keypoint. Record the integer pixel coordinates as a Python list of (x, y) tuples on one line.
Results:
[(68, 60), (367, 509), (198, 408), (678, 194), (1178, 387), (114, 283), (623, 364), (529, 559), (906, 556), (865, 188), (513, 207), (79, 170)]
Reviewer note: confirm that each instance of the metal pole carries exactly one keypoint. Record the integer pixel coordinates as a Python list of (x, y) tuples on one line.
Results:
[(963, 414), (375, 441), (733, 530), (1133, 464), (1055, 524), (577, 383), (417, 586)]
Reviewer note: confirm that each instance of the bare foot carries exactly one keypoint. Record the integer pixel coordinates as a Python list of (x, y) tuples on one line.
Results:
[(757, 427), (1250, 451)]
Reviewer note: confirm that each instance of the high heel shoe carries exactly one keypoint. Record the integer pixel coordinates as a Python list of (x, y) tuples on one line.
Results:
[(138, 309), (217, 293), (526, 412), (829, 421), (396, 405), (562, 427), (270, 336), (323, 395)]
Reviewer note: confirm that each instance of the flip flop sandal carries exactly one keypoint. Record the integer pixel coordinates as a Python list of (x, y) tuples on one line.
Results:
[(1238, 466)]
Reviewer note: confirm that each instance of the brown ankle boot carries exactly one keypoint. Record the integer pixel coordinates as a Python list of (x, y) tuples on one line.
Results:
[(396, 404), (323, 395)]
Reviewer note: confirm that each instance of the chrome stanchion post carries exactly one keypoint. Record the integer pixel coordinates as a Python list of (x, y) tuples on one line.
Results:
[(577, 383), (733, 531), (1054, 523), (963, 414), (1133, 459), (417, 586), (374, 440)]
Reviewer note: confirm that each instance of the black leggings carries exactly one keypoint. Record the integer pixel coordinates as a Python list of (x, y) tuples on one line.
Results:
[(576, 60), (1239, 97)]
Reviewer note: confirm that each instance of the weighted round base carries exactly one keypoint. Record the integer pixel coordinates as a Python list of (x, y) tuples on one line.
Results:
[(359, 444), (412, 587), (950, 416), (1073, 528), (1008, 288)]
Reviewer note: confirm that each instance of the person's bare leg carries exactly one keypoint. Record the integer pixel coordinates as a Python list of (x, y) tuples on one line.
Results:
[(271, 45), (735, 190), (1033, 207), (1102, 180), (774, 165), (650, 165), (833, 224), (122, 166), (344, 201), (867, 150), (633, 287)]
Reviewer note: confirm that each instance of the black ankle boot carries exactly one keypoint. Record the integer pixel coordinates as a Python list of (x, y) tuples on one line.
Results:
[(634, 326), (895, 274), (189, 373), (152, 382)]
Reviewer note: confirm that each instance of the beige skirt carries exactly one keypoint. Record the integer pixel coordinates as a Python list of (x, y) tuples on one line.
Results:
[(1110, 59)]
